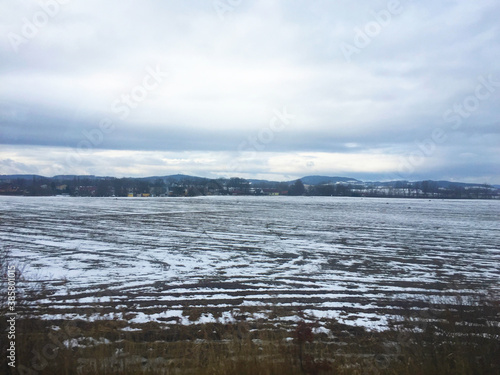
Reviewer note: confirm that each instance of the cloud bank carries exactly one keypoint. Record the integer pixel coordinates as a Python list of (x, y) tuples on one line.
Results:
[(267, 89)]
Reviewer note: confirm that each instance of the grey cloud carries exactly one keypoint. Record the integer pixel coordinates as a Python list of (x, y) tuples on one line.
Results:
[(9, 166), (225, 76)]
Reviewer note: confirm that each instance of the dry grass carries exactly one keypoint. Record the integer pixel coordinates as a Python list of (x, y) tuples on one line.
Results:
[(448, 337), (460, 340)]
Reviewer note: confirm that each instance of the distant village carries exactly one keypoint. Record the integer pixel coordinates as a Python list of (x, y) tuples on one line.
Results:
[(189, 186)]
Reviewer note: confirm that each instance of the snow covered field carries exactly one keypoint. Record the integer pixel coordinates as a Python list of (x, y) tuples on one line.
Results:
[(359, 260)]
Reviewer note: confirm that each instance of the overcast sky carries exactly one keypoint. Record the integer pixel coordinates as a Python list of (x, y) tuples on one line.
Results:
[(377, 90)]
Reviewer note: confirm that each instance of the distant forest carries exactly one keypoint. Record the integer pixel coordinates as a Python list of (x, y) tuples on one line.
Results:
[(182, 185)]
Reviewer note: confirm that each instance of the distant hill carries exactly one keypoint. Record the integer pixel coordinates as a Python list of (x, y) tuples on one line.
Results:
[(255, 181), (58, 177), (307, 180), (439, 184), (449, 184), (174, 178), (320, 180), (20, 176)]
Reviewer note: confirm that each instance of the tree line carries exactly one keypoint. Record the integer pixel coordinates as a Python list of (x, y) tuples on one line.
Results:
[(166, 186)]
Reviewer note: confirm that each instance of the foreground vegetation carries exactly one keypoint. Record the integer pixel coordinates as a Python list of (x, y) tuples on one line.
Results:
[(458, 335), (460, 340)]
